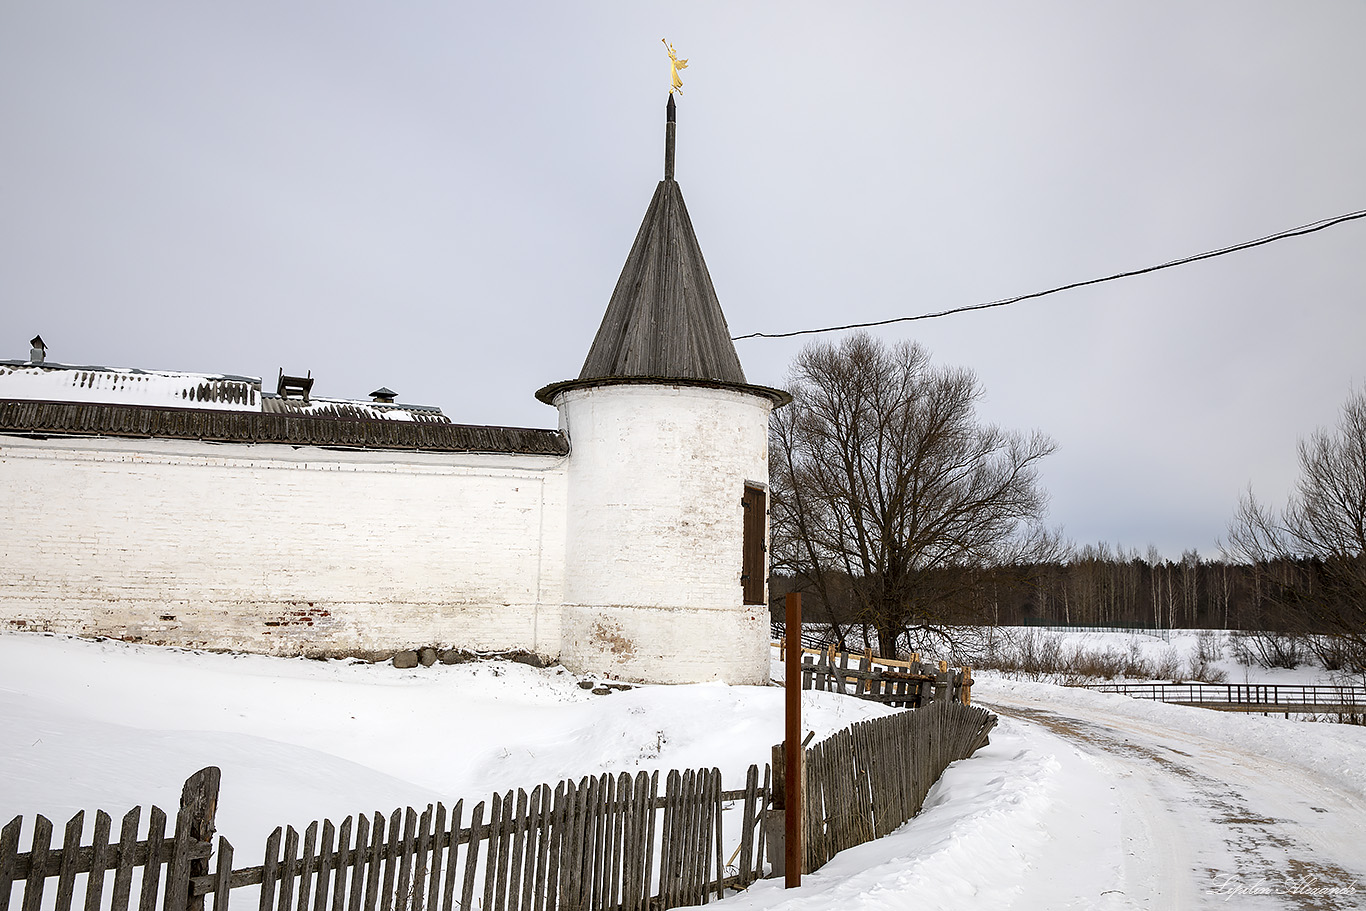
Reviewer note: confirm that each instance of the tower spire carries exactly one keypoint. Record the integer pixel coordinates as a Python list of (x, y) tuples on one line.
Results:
[(670, 123)]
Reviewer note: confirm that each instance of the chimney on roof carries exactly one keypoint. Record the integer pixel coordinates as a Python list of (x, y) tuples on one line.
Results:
[(384, 395), (37, 352)]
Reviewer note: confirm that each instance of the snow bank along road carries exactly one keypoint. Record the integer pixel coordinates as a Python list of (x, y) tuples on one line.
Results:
[(1174, 807)]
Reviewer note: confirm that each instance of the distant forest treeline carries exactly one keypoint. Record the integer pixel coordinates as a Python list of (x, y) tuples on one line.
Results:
[(1097, 586)]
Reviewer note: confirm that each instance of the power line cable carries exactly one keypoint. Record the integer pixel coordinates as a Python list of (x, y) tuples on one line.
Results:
[(1309, 228)]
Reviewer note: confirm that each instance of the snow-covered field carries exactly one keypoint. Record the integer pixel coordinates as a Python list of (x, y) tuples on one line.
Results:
[(1082, 800), (1169, 654)]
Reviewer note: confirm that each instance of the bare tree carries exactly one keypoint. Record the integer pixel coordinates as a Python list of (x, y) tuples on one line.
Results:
[(1224, 592), (1155, 583), (1310, 556), (888, 487), (1190, 584)]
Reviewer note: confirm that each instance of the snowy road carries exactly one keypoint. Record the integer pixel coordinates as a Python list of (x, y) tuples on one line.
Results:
[(1153, 816)]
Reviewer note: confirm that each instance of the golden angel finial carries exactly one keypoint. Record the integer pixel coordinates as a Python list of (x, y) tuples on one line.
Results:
[(674, 66)]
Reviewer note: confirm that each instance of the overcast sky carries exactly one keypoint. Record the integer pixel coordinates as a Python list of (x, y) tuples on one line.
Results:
[(438, 197)]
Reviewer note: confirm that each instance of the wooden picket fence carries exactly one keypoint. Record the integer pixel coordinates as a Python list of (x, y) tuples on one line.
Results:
[(900, 684), (184, 857), (863, 782), (607, 842)]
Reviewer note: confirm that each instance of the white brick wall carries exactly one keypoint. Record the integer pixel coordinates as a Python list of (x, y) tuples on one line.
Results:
[(279, 550), (622, 559), (655, 532)]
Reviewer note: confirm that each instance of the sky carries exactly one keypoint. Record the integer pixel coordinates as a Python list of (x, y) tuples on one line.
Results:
[(439, 197)]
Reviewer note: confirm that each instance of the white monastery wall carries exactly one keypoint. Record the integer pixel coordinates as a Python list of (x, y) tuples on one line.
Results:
[(282, 550), (655, 532)]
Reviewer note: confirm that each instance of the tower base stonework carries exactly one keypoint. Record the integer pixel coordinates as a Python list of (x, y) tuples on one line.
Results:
[(675, 644)]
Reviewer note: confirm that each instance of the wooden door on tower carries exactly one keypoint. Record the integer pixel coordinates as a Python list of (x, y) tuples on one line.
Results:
[(753, 575)]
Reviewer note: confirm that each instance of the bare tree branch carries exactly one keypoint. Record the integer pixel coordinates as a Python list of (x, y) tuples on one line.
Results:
[(1310, 557)]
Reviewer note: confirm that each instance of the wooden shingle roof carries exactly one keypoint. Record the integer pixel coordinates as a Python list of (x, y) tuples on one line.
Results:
[(100, 419), (664, 318)]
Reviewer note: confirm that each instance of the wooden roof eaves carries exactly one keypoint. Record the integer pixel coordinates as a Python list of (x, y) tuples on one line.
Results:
[(550, 392), (32, 418)]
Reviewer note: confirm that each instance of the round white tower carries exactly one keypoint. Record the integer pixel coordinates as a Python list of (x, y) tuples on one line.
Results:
[(667, 532)]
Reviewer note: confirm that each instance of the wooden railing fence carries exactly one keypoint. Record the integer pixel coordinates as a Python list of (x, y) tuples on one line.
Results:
[(1248, 697), (608, 842), (866, 780), (900, 684)]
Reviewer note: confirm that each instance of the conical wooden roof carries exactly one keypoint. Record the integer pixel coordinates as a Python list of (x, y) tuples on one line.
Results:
[(664, 323), (664, 319)]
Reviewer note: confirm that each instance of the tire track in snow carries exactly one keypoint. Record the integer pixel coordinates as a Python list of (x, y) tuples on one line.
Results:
[(1208, 825)]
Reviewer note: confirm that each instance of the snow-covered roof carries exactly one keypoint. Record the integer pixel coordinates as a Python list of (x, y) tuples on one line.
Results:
[(47, 398), (25, 381), (350, 410)]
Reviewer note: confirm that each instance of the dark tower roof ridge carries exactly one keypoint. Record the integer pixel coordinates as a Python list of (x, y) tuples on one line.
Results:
[(664, 322)]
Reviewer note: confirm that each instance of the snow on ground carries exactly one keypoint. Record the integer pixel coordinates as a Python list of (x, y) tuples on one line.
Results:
[(1081, 800), (105, 724)]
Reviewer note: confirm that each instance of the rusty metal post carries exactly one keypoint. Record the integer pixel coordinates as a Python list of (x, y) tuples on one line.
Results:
[(792, 745)]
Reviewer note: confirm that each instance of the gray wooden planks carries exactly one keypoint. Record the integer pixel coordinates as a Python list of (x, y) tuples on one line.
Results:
[(66, 879), (605, 842), (864, 781), (325, 863), (357, 858), (288, 866), (222, 879), (33, 887), (306, 865), (445, 891), (151, 870), (471, 858), (101, 852)]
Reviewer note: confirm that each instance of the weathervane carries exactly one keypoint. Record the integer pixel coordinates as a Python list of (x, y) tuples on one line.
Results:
[(676, 84)]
